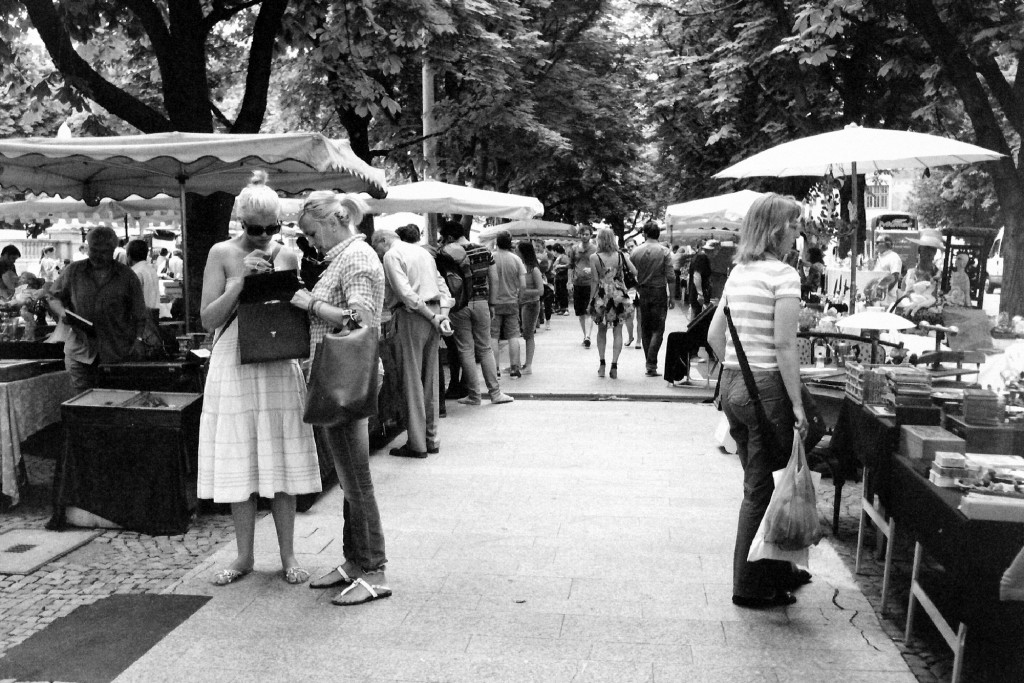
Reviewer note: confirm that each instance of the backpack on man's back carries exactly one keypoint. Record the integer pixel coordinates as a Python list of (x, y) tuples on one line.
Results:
[(458, 277)]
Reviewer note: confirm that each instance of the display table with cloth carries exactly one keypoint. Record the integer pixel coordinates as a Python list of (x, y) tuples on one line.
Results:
[(131, 458), (27, 406), (974, 554)]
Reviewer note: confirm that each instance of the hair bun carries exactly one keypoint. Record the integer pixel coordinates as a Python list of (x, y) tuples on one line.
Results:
[(259, 177)]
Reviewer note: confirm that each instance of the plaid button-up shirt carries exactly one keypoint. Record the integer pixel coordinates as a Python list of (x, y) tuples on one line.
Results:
[(354, 278)]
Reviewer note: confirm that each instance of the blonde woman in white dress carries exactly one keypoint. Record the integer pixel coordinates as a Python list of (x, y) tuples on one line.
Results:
[(252, 440)]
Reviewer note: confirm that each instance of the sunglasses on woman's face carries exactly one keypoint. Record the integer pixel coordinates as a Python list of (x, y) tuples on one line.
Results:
[(257, 230)]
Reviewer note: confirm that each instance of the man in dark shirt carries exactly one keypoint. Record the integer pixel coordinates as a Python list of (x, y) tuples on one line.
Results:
[(654, 276), (699, 287), (109, 295)]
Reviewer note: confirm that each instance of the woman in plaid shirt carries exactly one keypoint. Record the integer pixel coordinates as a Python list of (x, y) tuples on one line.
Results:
[(351, 289)]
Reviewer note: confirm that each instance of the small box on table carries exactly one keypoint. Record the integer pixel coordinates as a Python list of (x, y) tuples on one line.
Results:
[(1004, 439), (921, 442)]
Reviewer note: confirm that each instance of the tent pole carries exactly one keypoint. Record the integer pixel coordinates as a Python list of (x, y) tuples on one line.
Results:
[(184, 253), (853, 243)]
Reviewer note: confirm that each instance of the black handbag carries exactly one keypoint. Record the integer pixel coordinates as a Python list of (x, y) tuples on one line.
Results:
[(815, 422), (343, 380), (269, 327), (628, 278)]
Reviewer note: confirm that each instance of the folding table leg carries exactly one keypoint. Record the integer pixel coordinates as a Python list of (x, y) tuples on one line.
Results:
[(887, 572), (958, 653), (913, 599), (860, 525)]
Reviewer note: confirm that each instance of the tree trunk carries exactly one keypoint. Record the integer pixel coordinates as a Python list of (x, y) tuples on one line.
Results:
[(207, 224), (1006, 177)]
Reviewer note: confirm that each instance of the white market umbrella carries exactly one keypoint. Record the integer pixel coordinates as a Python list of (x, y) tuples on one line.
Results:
[(530, 228), (874, 322), (727, 210), (854, 150), (177, 163), (431, 196)]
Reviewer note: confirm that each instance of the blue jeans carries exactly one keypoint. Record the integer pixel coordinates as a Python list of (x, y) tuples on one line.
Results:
[(362, 534), (653, 311), (762, 578)]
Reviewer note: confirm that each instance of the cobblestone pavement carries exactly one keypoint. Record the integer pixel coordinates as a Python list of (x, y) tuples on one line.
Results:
[(114, 562), (128, 562)]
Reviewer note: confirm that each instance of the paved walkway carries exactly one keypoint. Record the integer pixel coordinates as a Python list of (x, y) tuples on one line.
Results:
[(518, 554), (548, 541)]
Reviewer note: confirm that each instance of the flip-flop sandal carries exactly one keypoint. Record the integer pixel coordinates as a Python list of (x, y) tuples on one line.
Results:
[(375, 593), (229, 576), (345, 579), (296, 575)]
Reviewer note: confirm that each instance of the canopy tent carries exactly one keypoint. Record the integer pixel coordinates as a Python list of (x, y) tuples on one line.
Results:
[(722, 211), (431, 196), (177, 163), (691, 237), (854, 150), (392, 221), (530, 228)]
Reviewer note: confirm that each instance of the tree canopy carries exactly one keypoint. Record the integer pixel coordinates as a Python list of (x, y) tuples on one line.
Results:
[(601, 108)]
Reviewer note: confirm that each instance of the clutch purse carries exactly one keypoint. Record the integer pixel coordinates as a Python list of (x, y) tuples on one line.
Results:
[(343, 380), (269, 327)]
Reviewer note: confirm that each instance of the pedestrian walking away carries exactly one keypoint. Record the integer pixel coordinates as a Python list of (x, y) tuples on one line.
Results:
[(350, 292), (609, 302), (507, 278), (654, 276)]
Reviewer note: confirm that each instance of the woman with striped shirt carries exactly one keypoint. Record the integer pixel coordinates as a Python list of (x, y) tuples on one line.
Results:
[(763, 295)]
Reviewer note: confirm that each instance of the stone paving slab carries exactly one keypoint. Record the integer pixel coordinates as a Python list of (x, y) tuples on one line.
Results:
[(502, 575)]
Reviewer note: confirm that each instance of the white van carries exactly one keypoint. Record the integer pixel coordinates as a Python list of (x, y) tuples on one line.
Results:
[(994, 265)]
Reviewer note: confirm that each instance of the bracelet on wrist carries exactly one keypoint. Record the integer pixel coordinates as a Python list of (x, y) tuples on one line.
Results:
[(310, 304)]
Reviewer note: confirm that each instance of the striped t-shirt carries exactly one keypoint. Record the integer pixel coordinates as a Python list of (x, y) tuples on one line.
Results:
[(751, 292)]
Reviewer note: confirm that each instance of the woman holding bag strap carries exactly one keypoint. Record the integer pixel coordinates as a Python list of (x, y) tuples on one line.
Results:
[(763, 295), (350, 290)]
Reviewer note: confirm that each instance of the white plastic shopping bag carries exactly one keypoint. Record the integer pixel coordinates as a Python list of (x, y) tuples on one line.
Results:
[(790, 525)]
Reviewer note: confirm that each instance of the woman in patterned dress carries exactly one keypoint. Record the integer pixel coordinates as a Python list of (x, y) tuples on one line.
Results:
[(252, 440), (351, 289), (609, 299)]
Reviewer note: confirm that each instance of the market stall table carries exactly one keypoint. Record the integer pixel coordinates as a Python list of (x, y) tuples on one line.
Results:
[(27, 406), (863, 435), (130, 458), (974, 553)]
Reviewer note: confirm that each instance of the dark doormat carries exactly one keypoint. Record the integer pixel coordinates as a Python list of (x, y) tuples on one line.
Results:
[(95, 643)]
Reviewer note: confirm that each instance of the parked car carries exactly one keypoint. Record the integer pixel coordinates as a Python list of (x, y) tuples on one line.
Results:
[(994, 265)]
